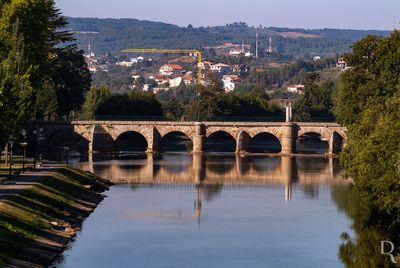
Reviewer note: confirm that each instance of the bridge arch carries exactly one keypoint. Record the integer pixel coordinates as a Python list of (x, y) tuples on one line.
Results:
[(58, 139), (176, 141), (102, 141), (186, 130), (313, 142), (265, 142), (220, 141), (131, 141)]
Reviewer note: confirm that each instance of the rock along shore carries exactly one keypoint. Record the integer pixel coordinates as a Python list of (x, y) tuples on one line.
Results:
[(41, 211)]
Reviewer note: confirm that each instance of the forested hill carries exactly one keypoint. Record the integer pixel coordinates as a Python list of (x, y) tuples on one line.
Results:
[(117, 34)]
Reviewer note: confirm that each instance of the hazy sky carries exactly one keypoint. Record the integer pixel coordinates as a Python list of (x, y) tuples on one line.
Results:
[(355, 14)]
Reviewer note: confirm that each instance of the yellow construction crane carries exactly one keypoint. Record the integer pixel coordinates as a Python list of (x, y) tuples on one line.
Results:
[(173, 51)]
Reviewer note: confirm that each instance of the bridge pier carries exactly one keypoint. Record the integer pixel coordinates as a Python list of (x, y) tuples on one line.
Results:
[(153, 141), (242, 143), (334, 144), (288, 139), (199, 138)]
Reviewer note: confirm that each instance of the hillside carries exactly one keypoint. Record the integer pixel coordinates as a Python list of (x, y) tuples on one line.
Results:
[(117, 34)]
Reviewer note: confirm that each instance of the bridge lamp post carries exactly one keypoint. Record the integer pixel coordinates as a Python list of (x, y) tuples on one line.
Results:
[(40, 139), (23, 144), (11, 143), (66, 153)]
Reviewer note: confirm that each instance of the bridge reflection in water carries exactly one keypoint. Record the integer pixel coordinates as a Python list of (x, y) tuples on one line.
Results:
[(207, 171)]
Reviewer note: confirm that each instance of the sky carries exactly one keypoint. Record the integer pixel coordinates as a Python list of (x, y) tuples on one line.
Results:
[(309, 14)]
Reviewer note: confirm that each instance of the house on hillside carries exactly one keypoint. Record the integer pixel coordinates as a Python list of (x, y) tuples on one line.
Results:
[(235, 52), (171, 69), (162, 79), (176, 81), (92, 68), (205, 65), (295, 88), (221, 68), (230, 82), (341, 64)]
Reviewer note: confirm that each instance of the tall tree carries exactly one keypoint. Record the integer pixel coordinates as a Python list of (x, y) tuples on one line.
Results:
[(15, 88), (94, 98), (315, 100), (45, 48), (367, 103)]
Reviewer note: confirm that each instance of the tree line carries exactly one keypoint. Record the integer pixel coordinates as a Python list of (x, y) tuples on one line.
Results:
[(117, 34), (181, 103)]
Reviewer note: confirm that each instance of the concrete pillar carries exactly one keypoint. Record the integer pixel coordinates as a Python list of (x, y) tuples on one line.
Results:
[(335, 143), (242, 143), (153, 141), (199, 138), (289, 113), (91, 139), (288, 140)]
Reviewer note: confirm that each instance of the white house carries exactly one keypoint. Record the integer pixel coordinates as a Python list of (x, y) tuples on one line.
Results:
[(230, 82), (162, 79), (341, 64), (205, 65), (235, 52), (171, 69), (295, 88), (92, 68), (125, 63), (176, 81), (221, 68)]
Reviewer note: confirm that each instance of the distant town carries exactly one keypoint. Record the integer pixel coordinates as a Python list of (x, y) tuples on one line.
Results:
[(172, 74)]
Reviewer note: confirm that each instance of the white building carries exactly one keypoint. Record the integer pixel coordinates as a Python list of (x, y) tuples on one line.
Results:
[(341, 64), (230, 82), (170, 69), (176, 81), (221, 68), (125, 63), (92, 68), (296, 88), (235, 52)]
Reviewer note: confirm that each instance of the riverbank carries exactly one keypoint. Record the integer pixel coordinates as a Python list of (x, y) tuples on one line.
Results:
[(42, 210)]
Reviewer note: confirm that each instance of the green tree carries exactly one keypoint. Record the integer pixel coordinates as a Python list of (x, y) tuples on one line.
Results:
[(71, 80), (367, 103), (15, 88), (315, 100), (175, 108), (135, 103), (94, 98), (59, 69)]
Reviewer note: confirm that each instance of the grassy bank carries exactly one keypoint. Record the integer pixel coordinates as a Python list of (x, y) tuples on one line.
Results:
[(55, 198), (16, 167)]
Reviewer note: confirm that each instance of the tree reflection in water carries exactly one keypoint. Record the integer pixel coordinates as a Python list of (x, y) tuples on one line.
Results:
[(364, 250)]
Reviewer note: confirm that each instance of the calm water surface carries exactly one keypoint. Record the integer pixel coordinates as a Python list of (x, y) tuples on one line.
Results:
[(214, 211)]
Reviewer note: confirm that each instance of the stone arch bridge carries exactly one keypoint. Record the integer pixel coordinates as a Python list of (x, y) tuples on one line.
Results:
[(92, 132)]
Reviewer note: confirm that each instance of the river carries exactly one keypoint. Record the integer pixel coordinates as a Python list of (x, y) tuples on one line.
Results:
[(179, 210)]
